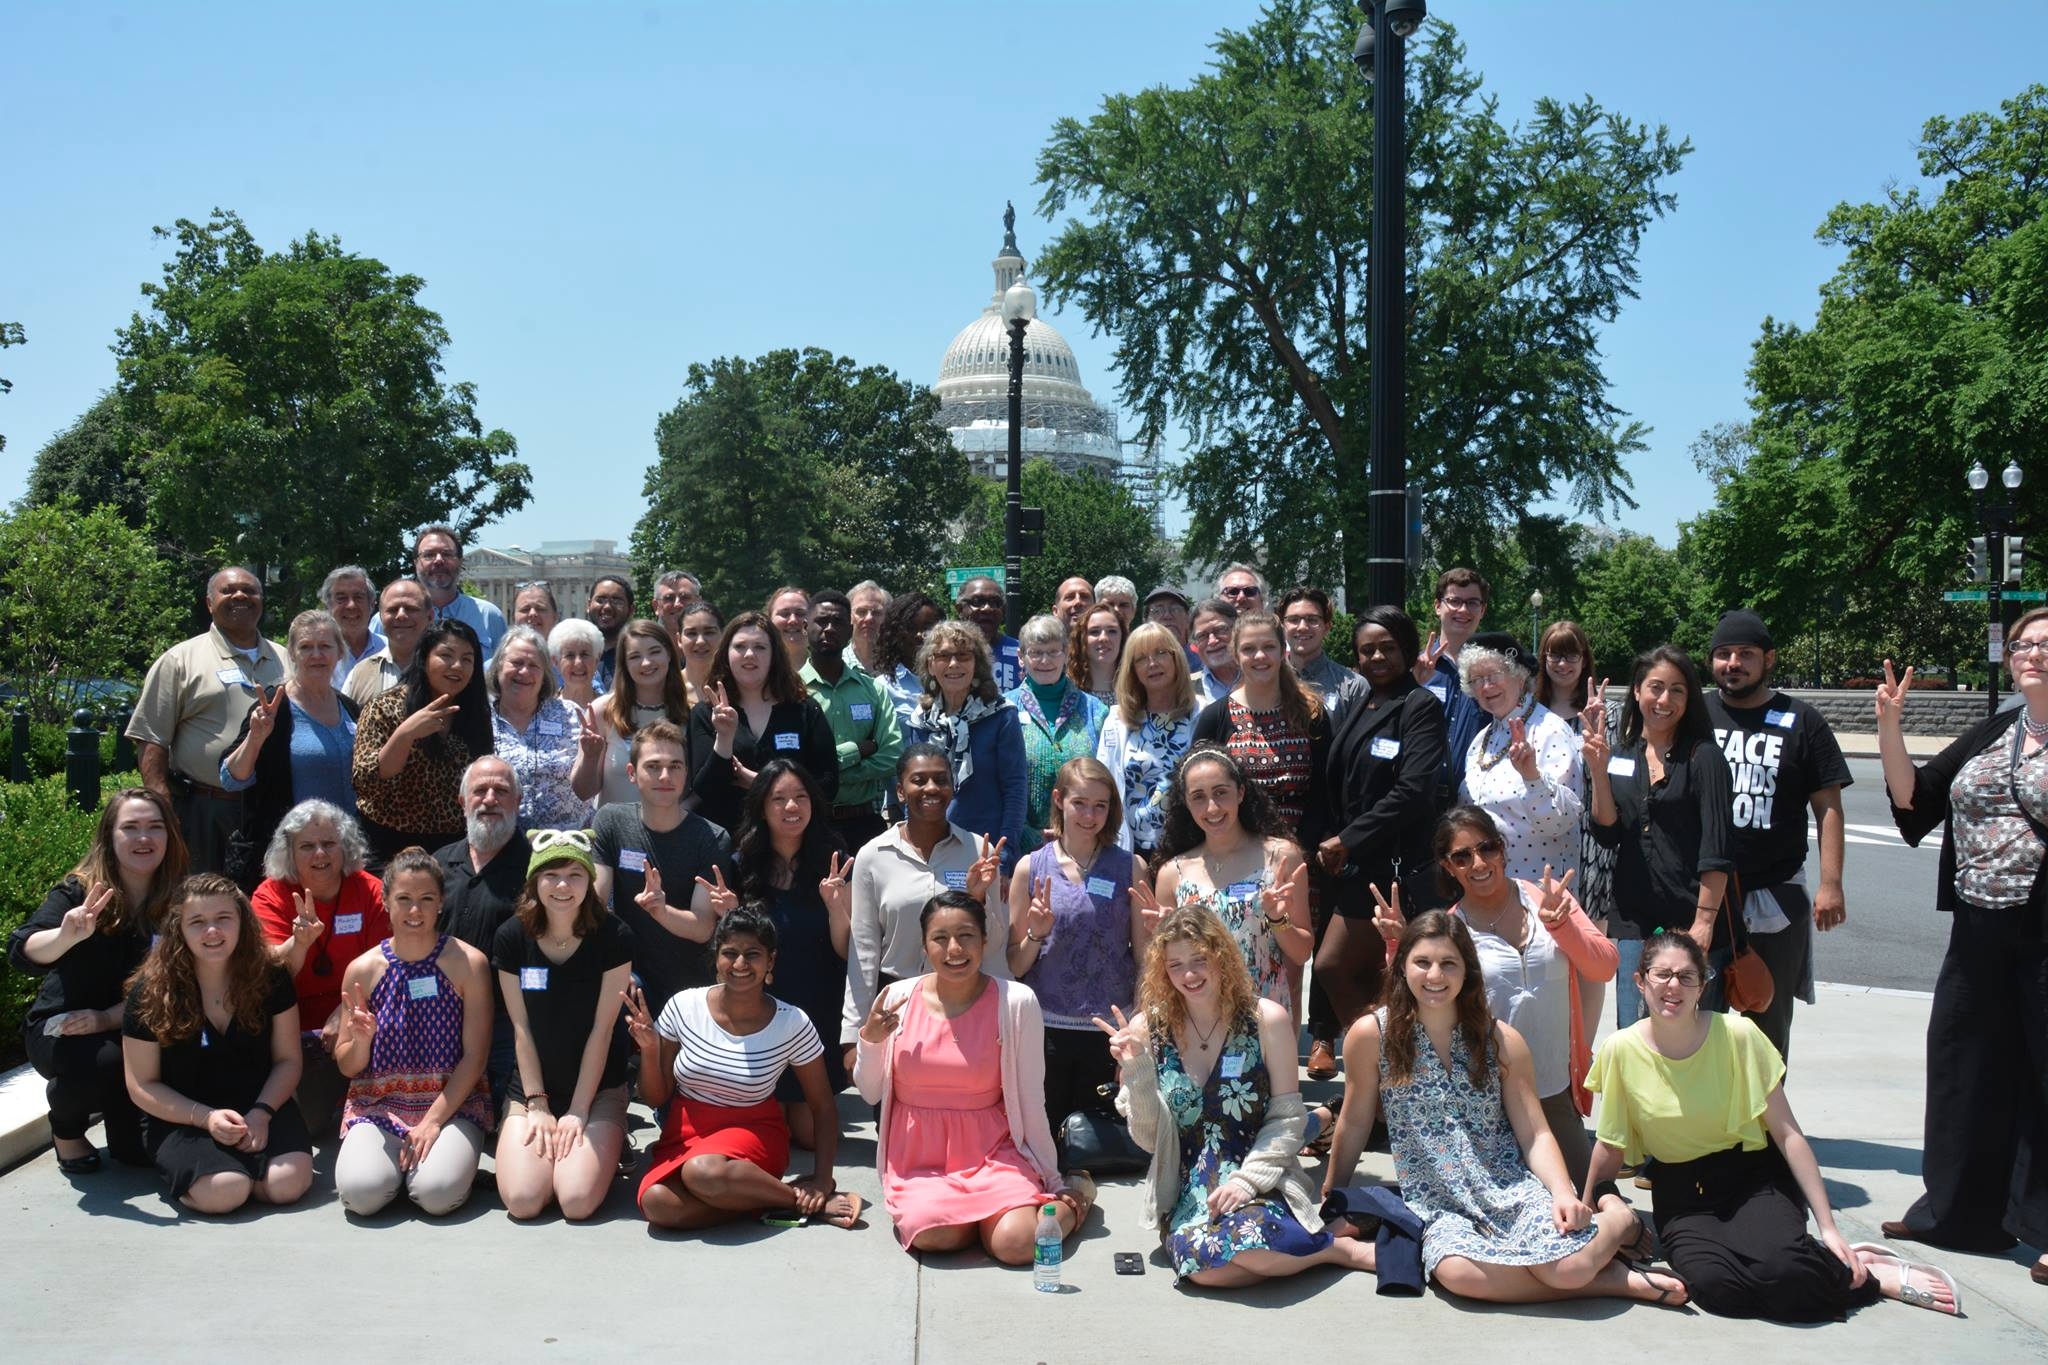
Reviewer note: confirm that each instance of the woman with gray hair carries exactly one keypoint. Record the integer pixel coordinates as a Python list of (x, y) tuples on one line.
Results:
[(575, 646), (553, 745), (1524, 768), (297, 742), (320, 910), (963, 713), (1059, 720)]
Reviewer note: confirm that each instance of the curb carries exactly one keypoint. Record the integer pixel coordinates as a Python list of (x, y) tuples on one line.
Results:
[(24, 1116)]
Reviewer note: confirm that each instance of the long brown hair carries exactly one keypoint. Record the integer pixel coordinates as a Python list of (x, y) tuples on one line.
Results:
[(781, 684), (166, 985), (1198, 927), (1564, 637), (1475, 1020), (100, 865), (1300, 705), (533, 917), (1072, 774), (618, 707), (1080, 668)]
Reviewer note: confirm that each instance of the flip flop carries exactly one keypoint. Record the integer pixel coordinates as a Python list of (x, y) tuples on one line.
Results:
[(1920, 1298)]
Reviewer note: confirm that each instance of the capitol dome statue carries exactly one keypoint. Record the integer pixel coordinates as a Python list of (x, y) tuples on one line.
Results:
[(1062, 421)]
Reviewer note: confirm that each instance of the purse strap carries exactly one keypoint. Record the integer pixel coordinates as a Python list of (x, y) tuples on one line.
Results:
[(1731, 906)]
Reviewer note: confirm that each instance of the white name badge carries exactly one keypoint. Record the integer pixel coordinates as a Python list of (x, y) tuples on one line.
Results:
[(233, 677), (632, 860), (956, 880), (1781, 719), (1103, 887), (1233, 1066), (533, 978), (423, 988), (862, 710), (1383, 747), (788, 741), (1621, 767), (1239, 890), (1437, 690), (551, 728), (349, 924)]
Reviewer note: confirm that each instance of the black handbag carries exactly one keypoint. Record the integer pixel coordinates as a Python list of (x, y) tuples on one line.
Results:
[(1099, 1144)]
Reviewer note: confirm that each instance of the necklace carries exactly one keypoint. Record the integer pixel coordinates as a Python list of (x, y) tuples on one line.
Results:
[(1488, 755), (1201, 1037), (2034, 732)]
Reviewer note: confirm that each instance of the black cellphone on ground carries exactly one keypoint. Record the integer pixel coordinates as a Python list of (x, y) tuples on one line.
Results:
[(1129, 1263)]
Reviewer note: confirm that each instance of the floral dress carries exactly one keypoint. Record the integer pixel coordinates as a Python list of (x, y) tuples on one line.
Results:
[(1219, 1125), (1142, 761), (1460, 1167), (1242, 908)]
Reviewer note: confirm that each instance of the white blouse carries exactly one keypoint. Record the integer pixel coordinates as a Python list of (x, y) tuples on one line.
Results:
[(1540, 820), (1531, 990)]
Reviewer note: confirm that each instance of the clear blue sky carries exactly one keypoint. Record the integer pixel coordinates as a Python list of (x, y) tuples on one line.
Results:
[(598, 195)]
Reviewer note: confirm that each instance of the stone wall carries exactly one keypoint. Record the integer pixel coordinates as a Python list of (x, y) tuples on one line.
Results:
[(1928, 711)]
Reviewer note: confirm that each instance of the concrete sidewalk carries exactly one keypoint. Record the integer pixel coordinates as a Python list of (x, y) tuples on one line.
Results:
[(103, 1267)]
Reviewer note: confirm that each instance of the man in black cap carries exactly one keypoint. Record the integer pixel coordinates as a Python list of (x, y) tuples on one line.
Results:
[(1785, 761)]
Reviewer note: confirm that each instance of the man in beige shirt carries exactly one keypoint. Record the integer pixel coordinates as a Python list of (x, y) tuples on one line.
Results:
[(404, 614), (192, 704)]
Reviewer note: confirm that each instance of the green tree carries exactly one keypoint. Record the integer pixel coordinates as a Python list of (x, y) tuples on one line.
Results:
[(1633, 594), (1093, 527), (1846, 507), (96, 461), (82, 596), (1224, 248), (798, 467), (295, 409), (11, 334)]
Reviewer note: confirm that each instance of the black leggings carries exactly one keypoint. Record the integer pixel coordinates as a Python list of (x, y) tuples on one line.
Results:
[(86, 1078)]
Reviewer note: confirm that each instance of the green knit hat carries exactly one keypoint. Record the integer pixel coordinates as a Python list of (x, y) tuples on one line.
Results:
[(560, 845)]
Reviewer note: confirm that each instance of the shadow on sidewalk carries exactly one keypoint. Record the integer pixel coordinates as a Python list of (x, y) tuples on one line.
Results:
[(1854, 1154)]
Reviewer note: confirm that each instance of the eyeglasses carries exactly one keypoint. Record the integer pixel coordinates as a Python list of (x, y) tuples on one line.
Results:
[(2019, 649), (1464, 857), (1316, 620), (952, 657), (1462, 603), (1561, 658), (982, 601), (1689, 980), (1241, 590), (530, 583), (1042, 656), (1157, 656), (1486, 679)]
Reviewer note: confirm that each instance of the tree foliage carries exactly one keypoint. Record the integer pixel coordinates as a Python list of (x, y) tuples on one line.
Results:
[(83, 595), (1224, 248), (798, 467), (1929, 353), (294, 409), (96, 462), (1093, 528), (11, 334)]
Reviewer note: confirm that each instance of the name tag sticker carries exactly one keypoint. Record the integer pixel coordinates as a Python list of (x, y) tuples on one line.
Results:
[(632, 860), (349, 924), (1383, 747), (233, 677), (1239, 890), (423, 988), (533, 978), (956, 880), (1233, 1066), (551, 728), (205, 1037), (1621, 767), (862, 710), (1102, 886), (786, 741), (1781, 719), (1437, 690)]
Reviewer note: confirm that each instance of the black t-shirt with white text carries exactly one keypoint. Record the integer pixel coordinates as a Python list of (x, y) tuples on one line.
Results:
[(1779, 754)]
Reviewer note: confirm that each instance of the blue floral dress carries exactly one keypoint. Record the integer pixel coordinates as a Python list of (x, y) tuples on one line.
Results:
[(1219, 1124), (1242, 908), (1460, 1167)]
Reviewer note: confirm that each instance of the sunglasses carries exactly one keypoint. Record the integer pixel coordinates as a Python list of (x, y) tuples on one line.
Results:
[(1464, 857)]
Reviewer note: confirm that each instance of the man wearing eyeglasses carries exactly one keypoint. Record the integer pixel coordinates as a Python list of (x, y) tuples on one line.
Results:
[(980, 603), (1785, 761), (1461, 596), (674, 593), (1243, 587), (609, 608), (1305, 622), (437, 563)]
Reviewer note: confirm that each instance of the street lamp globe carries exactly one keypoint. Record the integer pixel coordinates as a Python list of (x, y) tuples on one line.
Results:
[(1979, 479), (2012, 476), (1536, 600), (1020, 302)]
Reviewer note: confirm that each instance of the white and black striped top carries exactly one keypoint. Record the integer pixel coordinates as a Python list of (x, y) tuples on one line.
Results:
[(732, 1070)]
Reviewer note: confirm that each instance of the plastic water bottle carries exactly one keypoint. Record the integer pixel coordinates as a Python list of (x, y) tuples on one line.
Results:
[(1045, 1264)]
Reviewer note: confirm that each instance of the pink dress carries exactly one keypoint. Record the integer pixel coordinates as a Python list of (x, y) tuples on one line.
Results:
[(951, 1158)]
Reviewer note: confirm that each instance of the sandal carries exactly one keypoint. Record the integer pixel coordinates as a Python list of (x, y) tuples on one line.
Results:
[(1878, 1251), (80, 1165), (1911, 1293), (1079, 1196), (1640, 1251)]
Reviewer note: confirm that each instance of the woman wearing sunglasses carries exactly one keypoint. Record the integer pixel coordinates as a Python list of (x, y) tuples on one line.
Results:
[(320, 911)]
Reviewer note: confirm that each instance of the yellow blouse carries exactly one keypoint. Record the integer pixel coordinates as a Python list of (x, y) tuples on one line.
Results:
[(1653, 1106)]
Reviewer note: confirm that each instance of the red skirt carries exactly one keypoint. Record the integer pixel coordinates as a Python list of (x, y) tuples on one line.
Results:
[(758, 1134)]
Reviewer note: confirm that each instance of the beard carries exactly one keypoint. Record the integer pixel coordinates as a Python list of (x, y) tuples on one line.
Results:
[(489, 831)]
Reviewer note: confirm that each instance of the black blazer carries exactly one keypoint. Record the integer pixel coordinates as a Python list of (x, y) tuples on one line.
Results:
[(1931, 783), (1384, 805), (265, 804)]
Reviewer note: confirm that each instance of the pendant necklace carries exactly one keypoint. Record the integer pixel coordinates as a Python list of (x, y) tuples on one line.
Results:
[(1488, 755), (1201, 1037)]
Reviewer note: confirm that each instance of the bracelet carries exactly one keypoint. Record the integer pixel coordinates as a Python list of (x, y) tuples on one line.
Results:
[(264, 1105), (1031, 937), (1281, 923), (538, 1096)]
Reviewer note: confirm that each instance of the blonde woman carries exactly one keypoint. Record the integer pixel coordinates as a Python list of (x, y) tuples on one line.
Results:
[(1148, 730)]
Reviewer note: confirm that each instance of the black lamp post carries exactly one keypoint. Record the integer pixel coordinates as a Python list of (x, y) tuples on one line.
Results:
[(1020, 305), (1380, 55), (1999, 566)]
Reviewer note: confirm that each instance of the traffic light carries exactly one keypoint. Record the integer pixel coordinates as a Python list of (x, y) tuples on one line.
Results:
[(1030, 531), (1980, 560), (2015, 558)]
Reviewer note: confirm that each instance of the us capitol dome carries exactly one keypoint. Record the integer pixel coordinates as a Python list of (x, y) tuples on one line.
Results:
[(1062, 421)]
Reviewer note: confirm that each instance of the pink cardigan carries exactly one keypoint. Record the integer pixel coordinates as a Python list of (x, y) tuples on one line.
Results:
[(1022, 1032)]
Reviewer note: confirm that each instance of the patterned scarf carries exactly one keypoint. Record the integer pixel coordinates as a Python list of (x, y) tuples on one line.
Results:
[(950, 731)]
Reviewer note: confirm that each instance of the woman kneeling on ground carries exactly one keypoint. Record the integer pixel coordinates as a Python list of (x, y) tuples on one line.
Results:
[(413, 1036), (1702, 1094), (211, 1042), (1212, 1090), (721, 1050), (956, 1060)]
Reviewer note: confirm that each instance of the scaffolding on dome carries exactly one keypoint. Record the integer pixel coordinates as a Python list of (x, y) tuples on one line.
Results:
[(1145, 476)]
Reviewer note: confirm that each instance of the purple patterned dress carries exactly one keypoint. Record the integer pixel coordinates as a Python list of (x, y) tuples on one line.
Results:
[(417, 1044)]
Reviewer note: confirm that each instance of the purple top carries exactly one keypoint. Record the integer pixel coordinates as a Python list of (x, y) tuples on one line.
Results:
[(417, 1044), (1085, 965)]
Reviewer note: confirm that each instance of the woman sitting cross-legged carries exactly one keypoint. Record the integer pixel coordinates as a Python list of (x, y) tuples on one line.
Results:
[(956, 1060), (1476, 1161), (413, 1035), (211, 1042), (1226, 1190), (720, 1051), (1702, 1093)]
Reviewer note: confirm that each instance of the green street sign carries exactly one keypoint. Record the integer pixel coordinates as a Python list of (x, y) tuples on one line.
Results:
[(956, 577), (2010, 595)]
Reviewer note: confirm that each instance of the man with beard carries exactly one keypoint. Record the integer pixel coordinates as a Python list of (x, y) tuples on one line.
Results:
[(403, 611), (437, 563), (980, 603), (609, 608), (349, 599), (482, 875), (862, 720), (1785, 761), (190, 710)]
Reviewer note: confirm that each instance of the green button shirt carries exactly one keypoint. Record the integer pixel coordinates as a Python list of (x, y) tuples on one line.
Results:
[(858, 709)]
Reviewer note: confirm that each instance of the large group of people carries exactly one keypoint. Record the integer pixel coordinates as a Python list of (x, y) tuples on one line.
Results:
[(430, 884)]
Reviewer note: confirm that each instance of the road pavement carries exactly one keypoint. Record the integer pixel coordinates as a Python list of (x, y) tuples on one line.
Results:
[(1894, 937)]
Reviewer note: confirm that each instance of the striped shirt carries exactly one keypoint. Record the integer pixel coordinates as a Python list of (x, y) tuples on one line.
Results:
[(733, 1070)]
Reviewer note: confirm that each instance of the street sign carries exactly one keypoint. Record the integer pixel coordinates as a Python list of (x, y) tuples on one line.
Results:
[(2011, 595), (956, 577), (1995, 647)]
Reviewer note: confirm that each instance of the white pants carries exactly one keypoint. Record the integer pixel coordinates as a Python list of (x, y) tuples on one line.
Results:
[(366, 1173)]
